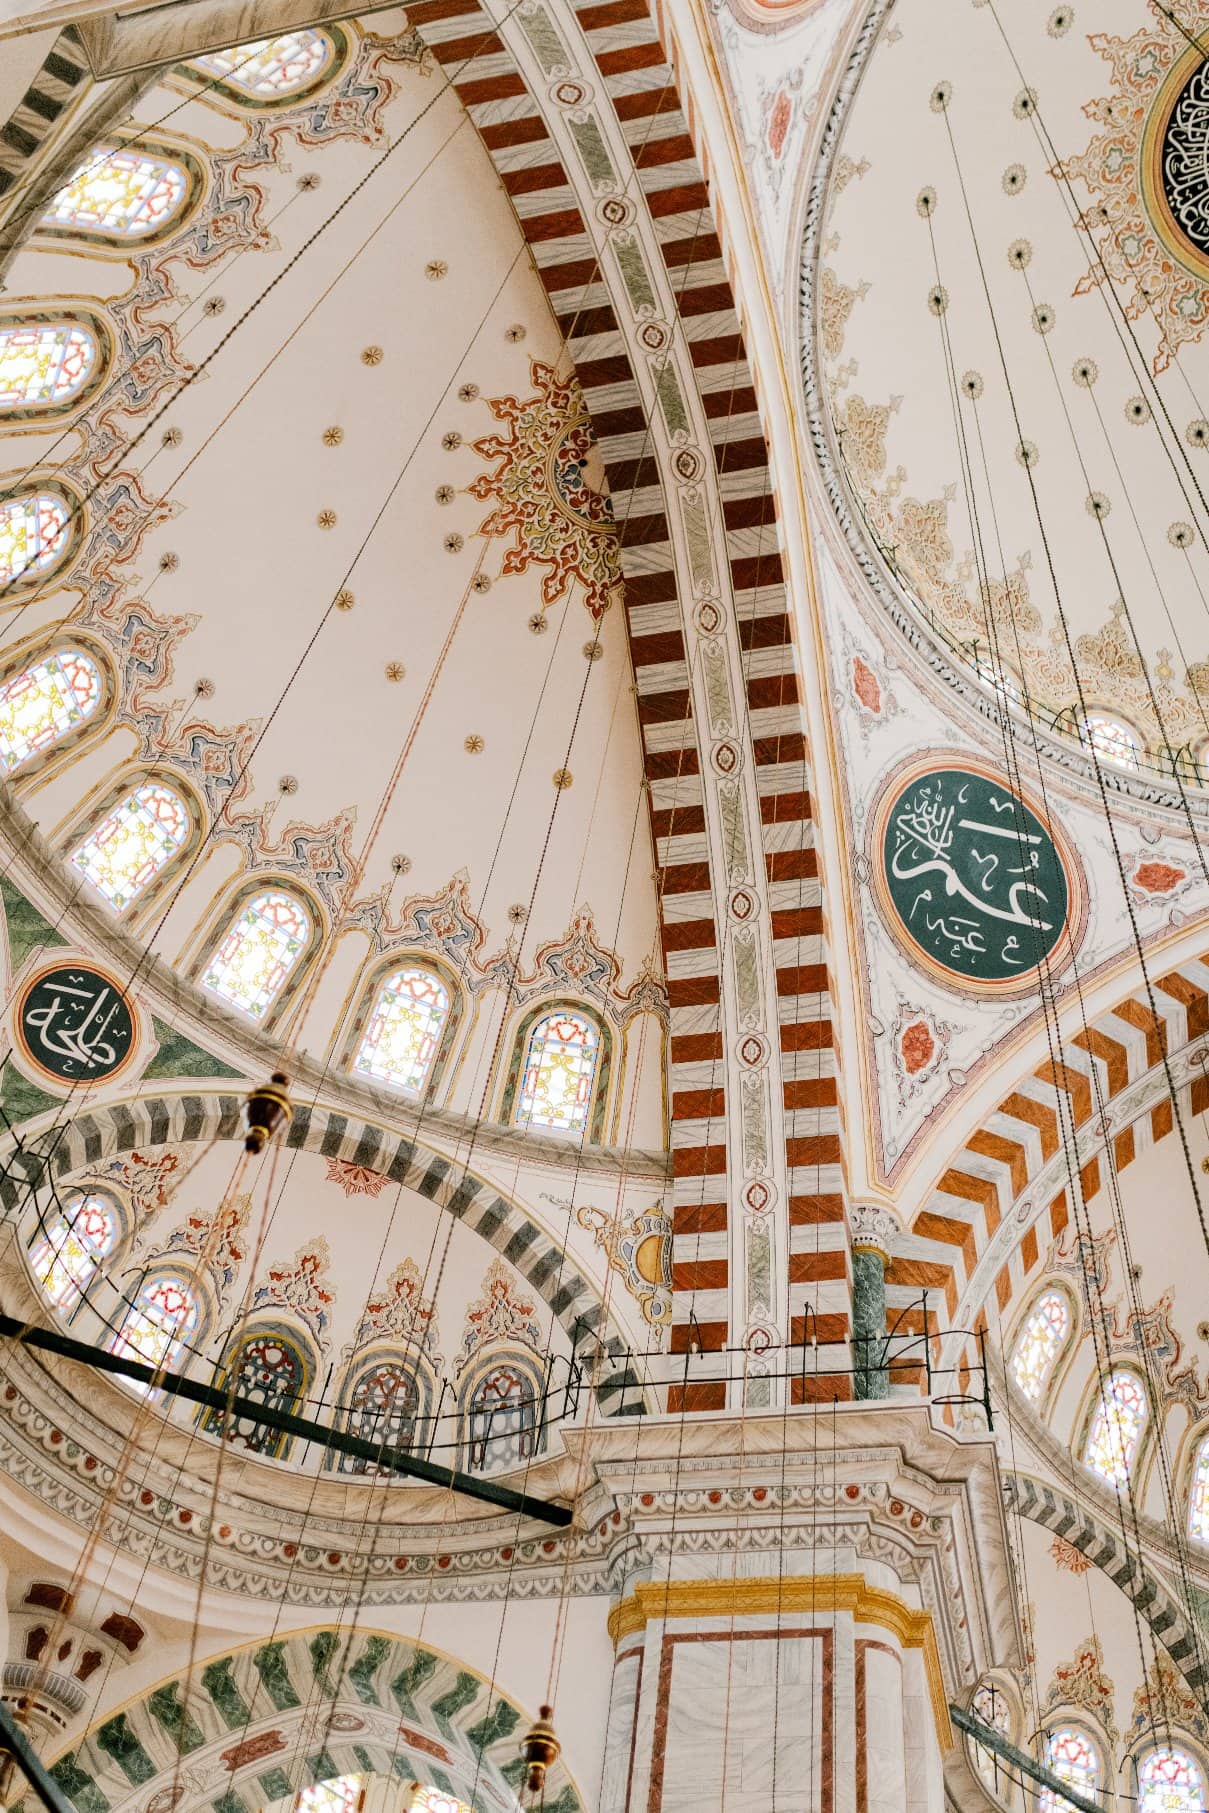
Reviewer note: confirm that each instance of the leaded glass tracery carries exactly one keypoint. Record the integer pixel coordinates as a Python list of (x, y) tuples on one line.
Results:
[(33, 534), (269, 1369), (43, 363), (254, 961), (991, 1705), (1039, 1343), (427, 1799), (70, 1251), (559, 1071), (1073, 1757), (1198, 1504), (342, 1794), (162, 1318), (41, 704), (384, 1408), (271, 68), (132, 843), (403, 1032), (1116, 1428), (1169, 1781), (502, 1417), (1111, 740), (120, 192)]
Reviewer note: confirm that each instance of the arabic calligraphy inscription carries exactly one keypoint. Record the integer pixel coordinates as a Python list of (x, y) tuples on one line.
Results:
[(75, 1024), (973, 877)]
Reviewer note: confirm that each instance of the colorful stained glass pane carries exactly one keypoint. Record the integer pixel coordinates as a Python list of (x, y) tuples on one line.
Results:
[(1039, 1343), (1169, 1781), (120, 192), (44, 363), (252, 964), (1073, 1757), (67, 1256), (39, 706), (157, 1324), (1111, 740), (404, 1029), (426, 1799), (560, 1065), (503, 1418), (342, 1794), (1198, 1508), (272, 67), (33, 534), (1116, 1428), (991, 1705), (133, 842), (269, 1370), (383, 1407)]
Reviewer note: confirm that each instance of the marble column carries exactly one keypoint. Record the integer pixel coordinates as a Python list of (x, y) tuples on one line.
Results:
[(873, 1232)]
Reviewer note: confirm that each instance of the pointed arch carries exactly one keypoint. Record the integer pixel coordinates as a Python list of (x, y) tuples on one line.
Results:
[(406, 1025), (259, 945)]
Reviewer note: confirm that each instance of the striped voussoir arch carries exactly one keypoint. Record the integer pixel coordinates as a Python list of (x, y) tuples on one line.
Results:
[(602, 333), (998, 1162), (147, 1122), (63, 71)]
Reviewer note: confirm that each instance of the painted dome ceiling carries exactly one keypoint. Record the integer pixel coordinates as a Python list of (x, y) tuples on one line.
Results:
[(1010, 316), (419, 715)]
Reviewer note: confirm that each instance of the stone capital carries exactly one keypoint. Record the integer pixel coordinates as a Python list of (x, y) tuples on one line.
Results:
[(874, 1229)]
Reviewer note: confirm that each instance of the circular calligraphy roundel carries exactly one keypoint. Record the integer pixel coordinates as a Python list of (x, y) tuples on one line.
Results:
[(75, 1025), (969, 877), (1174, 163)]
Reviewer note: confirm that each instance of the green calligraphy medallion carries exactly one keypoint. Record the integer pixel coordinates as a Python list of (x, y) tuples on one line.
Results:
[(973, 878)]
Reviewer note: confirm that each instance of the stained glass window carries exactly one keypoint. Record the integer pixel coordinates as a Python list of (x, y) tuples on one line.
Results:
[(1039, 1343), (270, 1370), (1074, 1758), (560, 1065), (33, 534), (503, 1418), (404, 1029), (157, 1324), (384, 1407), (133, 842), (39, 706), (254, 960), (426, 1799), (1169, 1781), (1111, 740), (125, 193), (1198, 1508), (71, 1250), (342, 1794), (1116, 1428), (46, 362), (272, 67), (991, 1705)]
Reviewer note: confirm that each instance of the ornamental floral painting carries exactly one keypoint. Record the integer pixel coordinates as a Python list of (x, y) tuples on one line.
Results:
[(548, 491)]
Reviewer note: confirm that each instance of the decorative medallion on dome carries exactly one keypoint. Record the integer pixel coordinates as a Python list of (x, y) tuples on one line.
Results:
[(75, 1023), (968, 877), (548, 491)]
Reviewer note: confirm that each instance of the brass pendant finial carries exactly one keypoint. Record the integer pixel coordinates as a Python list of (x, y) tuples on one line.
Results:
[(540, 1750), (266, 1109)]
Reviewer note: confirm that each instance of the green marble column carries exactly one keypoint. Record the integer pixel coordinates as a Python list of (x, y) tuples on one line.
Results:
[(873, 1233)]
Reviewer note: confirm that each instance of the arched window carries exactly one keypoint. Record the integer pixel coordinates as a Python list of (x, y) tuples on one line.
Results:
[(1116, 1428), (1039, 1342), (1198, 1505), (162, 1318), (992, 1706), (503, 1414), (33, 535), (72, 1248), (559, 1072), (253, 963), (342, 1794), (427, 1799), (385, 1406), (270, 1368), (44, 363), (403, 1032), (1071, 1755), (1169, 1781), (1111, 740), (272, 68), (120, 193), (127, 850), (42, 704)]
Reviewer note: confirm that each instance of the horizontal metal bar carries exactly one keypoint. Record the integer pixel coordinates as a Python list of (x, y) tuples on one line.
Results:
[(14, 1741), (990, 1739), (175, 1384)]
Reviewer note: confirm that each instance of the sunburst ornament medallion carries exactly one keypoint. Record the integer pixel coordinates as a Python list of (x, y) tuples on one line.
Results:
[(547, 488)]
